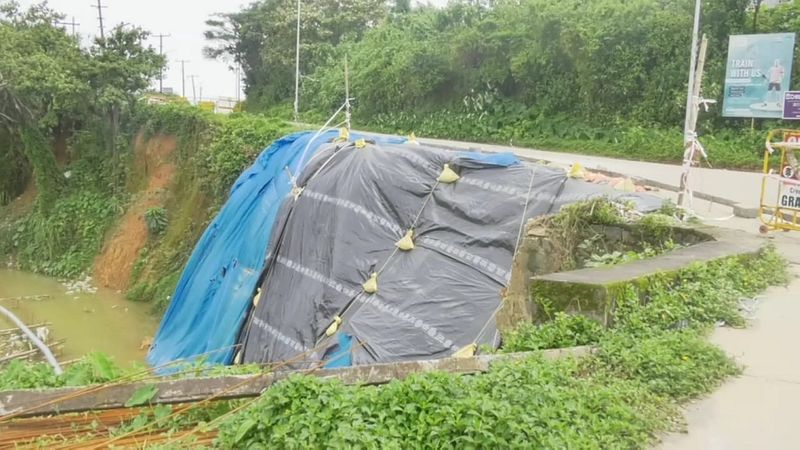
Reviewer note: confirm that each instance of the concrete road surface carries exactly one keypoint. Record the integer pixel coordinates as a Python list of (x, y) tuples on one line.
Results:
[(740, 187)]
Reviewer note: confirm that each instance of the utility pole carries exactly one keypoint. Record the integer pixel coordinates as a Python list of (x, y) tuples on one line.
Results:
[(73, 24), (183, 76), (161, 53), (238, 83), (99, 8), (297, 68), (688, 128), (201, 92), (194, 95)]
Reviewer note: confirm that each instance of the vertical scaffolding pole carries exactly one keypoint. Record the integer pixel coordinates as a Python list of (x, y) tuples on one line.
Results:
[(688, 128), (297, 68)]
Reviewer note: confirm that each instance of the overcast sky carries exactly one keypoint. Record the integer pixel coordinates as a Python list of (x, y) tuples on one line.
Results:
[(184, 20)]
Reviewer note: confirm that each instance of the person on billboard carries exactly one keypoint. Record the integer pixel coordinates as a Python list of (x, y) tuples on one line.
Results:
[(775, 77)]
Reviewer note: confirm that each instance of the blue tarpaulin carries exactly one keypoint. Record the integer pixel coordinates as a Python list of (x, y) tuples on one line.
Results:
[(212, 297)]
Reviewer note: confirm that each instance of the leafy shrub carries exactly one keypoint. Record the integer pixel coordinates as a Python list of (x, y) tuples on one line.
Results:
[(156, 220), (234, 146), (698, 296), (92, 368), (679, 365), (563, 331), (524, 404), (733, 149), (657, 227), (64, 240)]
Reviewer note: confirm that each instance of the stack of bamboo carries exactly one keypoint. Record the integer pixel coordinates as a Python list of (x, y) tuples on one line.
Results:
[(14, 345)]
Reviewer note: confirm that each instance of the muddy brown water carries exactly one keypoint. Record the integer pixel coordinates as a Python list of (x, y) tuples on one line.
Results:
[(102, 321)]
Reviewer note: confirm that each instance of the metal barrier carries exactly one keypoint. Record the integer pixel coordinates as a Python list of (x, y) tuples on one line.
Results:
[(779, 207)]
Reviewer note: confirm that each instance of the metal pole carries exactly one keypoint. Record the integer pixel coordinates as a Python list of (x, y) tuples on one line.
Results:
[(688, 129), (297, 68), (238, 83), (194, 95), (161, 74), (183, 77), (161, 53), (346, 94), (100, 16)]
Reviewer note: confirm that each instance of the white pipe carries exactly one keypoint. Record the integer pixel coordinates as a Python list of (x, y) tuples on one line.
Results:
[(46, 351)]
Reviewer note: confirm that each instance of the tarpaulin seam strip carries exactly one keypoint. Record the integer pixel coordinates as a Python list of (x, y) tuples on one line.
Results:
[(358, 209), (481, 264), (492, 187), (372, 300)]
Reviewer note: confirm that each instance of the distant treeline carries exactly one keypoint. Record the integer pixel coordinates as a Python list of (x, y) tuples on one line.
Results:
[(597, 61)]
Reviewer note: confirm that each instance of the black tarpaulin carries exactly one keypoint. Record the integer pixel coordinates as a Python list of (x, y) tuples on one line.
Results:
[(340, 226)]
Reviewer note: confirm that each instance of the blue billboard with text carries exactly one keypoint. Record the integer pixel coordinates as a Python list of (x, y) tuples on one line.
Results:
[(758, 73)]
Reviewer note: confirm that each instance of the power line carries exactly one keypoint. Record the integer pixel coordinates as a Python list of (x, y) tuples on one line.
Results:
[(99, 7), (160, 52)]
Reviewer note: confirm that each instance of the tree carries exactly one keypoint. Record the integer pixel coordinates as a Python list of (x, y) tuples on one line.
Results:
[(120, 69), (261, 40), (756, 8), (400, 7), (51, 87), (41, 67)]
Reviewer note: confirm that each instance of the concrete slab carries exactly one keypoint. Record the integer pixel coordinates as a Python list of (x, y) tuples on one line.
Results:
[(733, 243), (761, 408)]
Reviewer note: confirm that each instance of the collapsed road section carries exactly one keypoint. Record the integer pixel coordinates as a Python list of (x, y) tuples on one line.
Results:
[(356, 250)]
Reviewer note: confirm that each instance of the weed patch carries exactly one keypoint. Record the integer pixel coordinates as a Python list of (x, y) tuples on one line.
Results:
[(524, 404), (654, 358), (563, 331)]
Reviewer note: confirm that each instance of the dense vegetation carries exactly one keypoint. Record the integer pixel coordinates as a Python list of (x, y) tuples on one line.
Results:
[(70, 121), (62, 108), (654, 358), (211, 152), (598, 76)]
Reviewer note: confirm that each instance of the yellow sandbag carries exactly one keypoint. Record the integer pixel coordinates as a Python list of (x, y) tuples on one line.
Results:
[(406, 242), (371, 285), (361, 143), (576, 171), (412, 139), (466, 352), (334, 326), (344, 135), (448, 175), (626, 185)]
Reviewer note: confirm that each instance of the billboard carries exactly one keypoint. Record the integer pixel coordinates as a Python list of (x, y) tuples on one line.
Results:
[(791, 105), (758, 73)]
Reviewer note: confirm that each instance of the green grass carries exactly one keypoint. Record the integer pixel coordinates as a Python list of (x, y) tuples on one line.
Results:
[(620, 397)]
